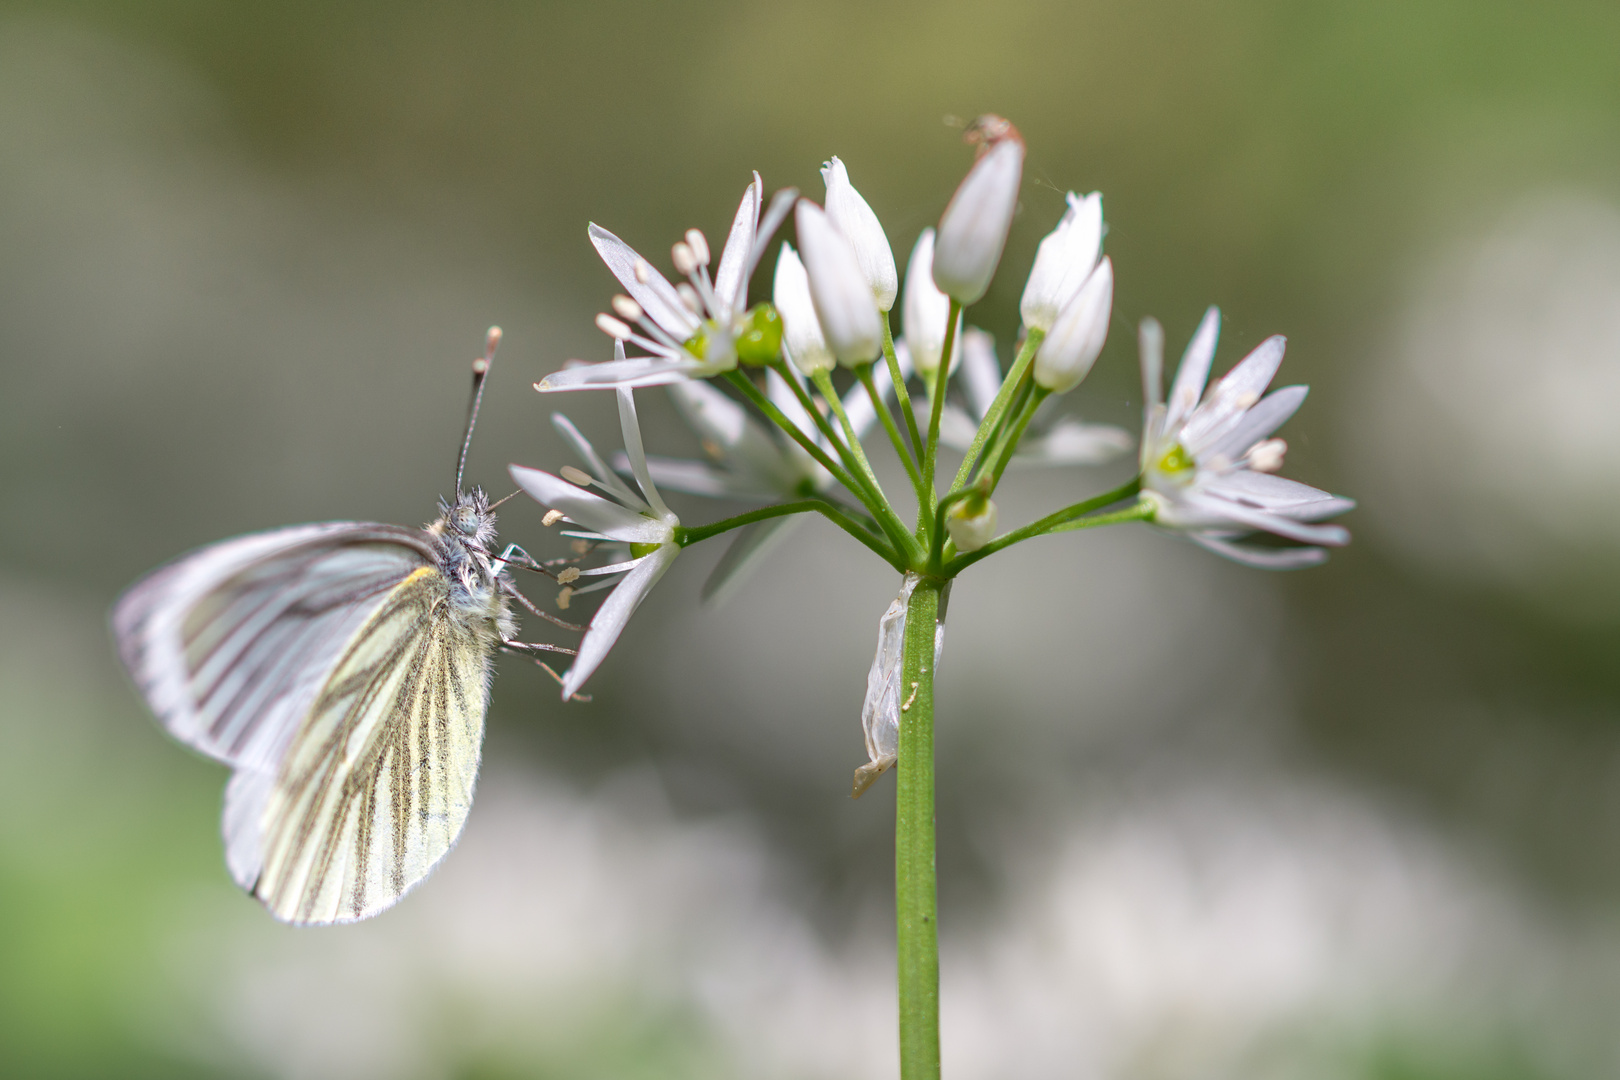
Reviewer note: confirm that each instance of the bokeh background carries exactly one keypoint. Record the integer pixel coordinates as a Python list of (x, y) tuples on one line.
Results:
[(1196, 821)]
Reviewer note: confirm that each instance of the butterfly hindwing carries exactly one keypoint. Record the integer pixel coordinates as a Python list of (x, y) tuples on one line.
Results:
[(375, 785)]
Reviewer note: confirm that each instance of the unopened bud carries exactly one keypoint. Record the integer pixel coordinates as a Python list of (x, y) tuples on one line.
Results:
[(971, 522), (926, 310), (1063, 262), (852, 216), (802, 339), (1077, 337), (974, 228), (843, 300)]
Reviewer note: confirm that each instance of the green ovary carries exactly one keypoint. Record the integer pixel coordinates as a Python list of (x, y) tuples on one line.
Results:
[(1176, 460), (641, 551)]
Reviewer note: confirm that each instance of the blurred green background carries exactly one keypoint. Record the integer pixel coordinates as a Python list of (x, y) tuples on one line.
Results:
[(1196, 821)]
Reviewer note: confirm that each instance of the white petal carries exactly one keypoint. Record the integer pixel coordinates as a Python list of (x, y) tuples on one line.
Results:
[(730, 281), (1252, 426), (1070, 442), (1262, 558), (981, 373), (925, 311), (635, 372), (1235, 393), (610, 619), (781, 205), (1214, 510), (1063, 261), (592, 511), (599, 468), (631, 429), (1069, 351), (1194, 371), (701, 478), (657, 296)]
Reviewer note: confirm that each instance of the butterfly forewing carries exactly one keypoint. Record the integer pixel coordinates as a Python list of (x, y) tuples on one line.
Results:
[(376, 783), (231, 644)]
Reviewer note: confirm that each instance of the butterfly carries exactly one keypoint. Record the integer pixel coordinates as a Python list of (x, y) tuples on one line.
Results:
[(342, 670)]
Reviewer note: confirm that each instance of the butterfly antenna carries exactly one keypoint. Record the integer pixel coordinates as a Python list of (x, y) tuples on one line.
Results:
[(480, 371)]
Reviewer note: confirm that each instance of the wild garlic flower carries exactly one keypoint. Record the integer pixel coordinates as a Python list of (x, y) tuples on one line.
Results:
[(1064, 441), (1063, 262), (1076, 339), (1207, 465), (637, 526), (975, 224), (851, 216), (698, 328)]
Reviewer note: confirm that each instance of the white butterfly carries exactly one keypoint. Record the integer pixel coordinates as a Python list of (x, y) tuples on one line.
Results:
[(342, 670)]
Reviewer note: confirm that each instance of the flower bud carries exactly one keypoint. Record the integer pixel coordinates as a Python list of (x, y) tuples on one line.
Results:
[(1063, 262), (974, 228), (852, 216), (1067, 353), (802, 339), (925, 311), (843, 301), (971, 522)]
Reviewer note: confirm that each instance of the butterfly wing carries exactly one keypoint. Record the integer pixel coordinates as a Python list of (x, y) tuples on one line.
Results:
[(231, 644), (321, 662), (376, 784)]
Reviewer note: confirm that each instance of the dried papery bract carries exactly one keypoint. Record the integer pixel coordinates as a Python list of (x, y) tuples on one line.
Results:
[(974, 227)]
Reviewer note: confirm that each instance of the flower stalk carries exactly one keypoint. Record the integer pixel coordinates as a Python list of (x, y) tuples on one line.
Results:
[(916, 893)]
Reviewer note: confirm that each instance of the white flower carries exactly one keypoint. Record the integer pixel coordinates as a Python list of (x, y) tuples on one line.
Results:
[(1063, 262), (925, 311), (1206, 465), (640, 521), (843, 299), (852, 216), (880, 711), (974, 228), (1065, 441), (1067, 353), (690, 330), (751, 462), (802, 338)]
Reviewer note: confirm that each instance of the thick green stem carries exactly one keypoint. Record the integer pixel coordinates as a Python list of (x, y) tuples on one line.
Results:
[(914, 887), (992, 417)]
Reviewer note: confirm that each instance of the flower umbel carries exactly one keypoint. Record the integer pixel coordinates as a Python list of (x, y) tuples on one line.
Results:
[(1206, 464), (637, 527)]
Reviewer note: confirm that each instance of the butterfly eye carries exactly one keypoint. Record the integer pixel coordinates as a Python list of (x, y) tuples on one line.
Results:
[(465, 519)]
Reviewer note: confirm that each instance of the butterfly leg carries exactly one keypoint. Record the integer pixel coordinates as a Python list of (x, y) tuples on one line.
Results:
[(520, 647), (532, 609)]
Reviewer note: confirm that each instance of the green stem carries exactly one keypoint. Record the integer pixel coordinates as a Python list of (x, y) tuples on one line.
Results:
[(765, 405), (902, 396), (992, 418), (1010, 446), (824, 383), (864, 373), (1070, 517), (942, 378), (914, 887)]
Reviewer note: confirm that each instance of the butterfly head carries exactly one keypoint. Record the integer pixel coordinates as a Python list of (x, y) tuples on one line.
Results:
[(470, 518)]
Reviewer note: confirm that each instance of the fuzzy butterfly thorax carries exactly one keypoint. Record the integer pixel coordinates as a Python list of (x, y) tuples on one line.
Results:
[(464, 536)]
